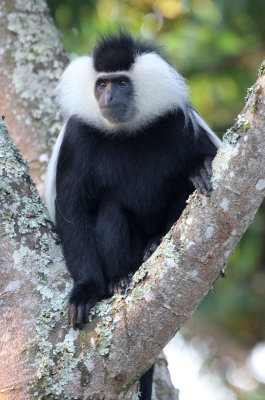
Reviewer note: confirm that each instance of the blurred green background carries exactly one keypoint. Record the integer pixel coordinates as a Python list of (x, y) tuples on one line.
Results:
[(218, 46)]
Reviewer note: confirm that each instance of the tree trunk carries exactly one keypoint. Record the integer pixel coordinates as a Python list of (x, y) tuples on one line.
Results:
[(32, 60), (41, 356)]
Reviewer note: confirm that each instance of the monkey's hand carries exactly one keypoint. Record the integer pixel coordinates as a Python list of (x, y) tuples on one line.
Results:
[(82, 299), (201, 177)]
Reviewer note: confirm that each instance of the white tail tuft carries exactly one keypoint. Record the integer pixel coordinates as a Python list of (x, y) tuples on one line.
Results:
[(50, 176)]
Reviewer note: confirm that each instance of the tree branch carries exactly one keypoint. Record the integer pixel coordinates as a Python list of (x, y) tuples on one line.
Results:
[(128, 331)]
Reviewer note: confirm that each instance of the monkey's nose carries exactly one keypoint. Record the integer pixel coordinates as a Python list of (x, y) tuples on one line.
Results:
[(109, 97)]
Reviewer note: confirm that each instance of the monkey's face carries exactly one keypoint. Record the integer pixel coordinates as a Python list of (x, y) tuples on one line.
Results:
[(114, 94)]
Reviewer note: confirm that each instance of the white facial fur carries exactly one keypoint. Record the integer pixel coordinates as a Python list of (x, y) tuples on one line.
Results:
[(76, 91), (158, 89)]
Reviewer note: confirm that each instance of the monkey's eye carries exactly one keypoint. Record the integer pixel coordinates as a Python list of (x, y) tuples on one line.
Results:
[(122, 83), (102, 84)]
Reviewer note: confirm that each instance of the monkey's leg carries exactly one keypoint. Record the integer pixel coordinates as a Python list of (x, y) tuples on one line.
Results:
[(83, 263)]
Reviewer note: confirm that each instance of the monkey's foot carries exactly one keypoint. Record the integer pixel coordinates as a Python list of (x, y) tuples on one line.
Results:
[(201, 177), (83, 297), (151, 247), (120, 286), (78, 313)]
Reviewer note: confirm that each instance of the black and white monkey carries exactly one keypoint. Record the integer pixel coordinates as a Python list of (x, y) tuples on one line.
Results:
[(130, 153)]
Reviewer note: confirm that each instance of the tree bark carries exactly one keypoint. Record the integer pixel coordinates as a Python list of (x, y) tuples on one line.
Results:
[(32, 60), (42, 356)]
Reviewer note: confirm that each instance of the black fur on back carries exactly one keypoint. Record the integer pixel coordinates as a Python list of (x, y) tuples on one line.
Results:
[(117, 52)]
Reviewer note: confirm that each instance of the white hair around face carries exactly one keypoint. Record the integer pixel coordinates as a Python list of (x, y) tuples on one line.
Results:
[(158, 88), (76, 91)]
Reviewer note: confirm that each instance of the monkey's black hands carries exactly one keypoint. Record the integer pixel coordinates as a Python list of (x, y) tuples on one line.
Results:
[(80, 303), (201, 177)]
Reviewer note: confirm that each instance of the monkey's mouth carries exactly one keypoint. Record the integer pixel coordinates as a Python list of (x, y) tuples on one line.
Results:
[(115, 114)]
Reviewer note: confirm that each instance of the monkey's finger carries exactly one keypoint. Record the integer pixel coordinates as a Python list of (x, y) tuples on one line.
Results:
[(208, 165), (147, 254), (72, 315), (206, 179), (199, 185), (124, 284), (69, 313), (80, 316), (203, 187), (149, 250), (88, 307), (121, 285), (117, 287)]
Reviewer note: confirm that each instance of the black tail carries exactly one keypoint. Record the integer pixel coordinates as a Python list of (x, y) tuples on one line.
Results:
[(146, 385)]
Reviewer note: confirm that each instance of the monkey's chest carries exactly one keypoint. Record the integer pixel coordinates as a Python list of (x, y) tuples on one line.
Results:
[(142, 182)]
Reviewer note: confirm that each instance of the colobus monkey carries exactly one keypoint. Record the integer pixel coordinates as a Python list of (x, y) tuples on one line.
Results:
[(130, 153)]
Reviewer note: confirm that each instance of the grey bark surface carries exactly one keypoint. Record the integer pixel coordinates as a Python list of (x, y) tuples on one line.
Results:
[(32, 59), (104, 361)]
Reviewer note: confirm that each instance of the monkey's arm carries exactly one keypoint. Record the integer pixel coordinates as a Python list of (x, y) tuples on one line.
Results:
[(75, 212)]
